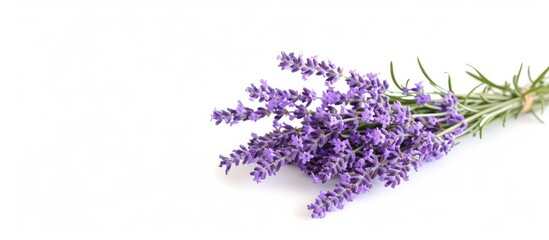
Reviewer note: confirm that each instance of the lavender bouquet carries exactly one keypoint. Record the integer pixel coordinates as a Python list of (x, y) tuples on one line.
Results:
[(366, 132)]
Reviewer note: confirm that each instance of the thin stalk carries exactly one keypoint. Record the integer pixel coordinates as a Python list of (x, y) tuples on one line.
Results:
[(479, 114)]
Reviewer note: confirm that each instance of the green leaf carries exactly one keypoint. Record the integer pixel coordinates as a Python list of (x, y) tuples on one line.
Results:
[(529, 75), (518, 90), (450, 84), (486, 89), (504, 118), (393, 77), (517, 114), (536, 116), (538, 80), (433, 83), (507, 86), (471, 92), (483, 79), (542, 101), (534, 89), (520, 70)]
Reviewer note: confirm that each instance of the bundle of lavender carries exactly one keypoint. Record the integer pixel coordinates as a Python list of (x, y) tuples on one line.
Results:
[(366, 132)]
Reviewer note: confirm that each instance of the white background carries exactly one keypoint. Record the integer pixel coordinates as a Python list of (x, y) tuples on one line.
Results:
[(105, 128)]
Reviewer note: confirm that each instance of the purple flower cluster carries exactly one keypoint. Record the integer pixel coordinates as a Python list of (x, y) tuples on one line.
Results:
[(359, 134), (310, 66), (277, 102)]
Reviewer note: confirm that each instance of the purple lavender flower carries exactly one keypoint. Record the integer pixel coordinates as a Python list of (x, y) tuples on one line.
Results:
[(339, 145), (366, 115), (358, 134), (422, 99), (297, 142), (305, 157), (310, 66)]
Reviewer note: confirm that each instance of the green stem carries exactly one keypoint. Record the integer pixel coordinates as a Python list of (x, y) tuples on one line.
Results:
[(430, 114), (483, 117), (470, 119)]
